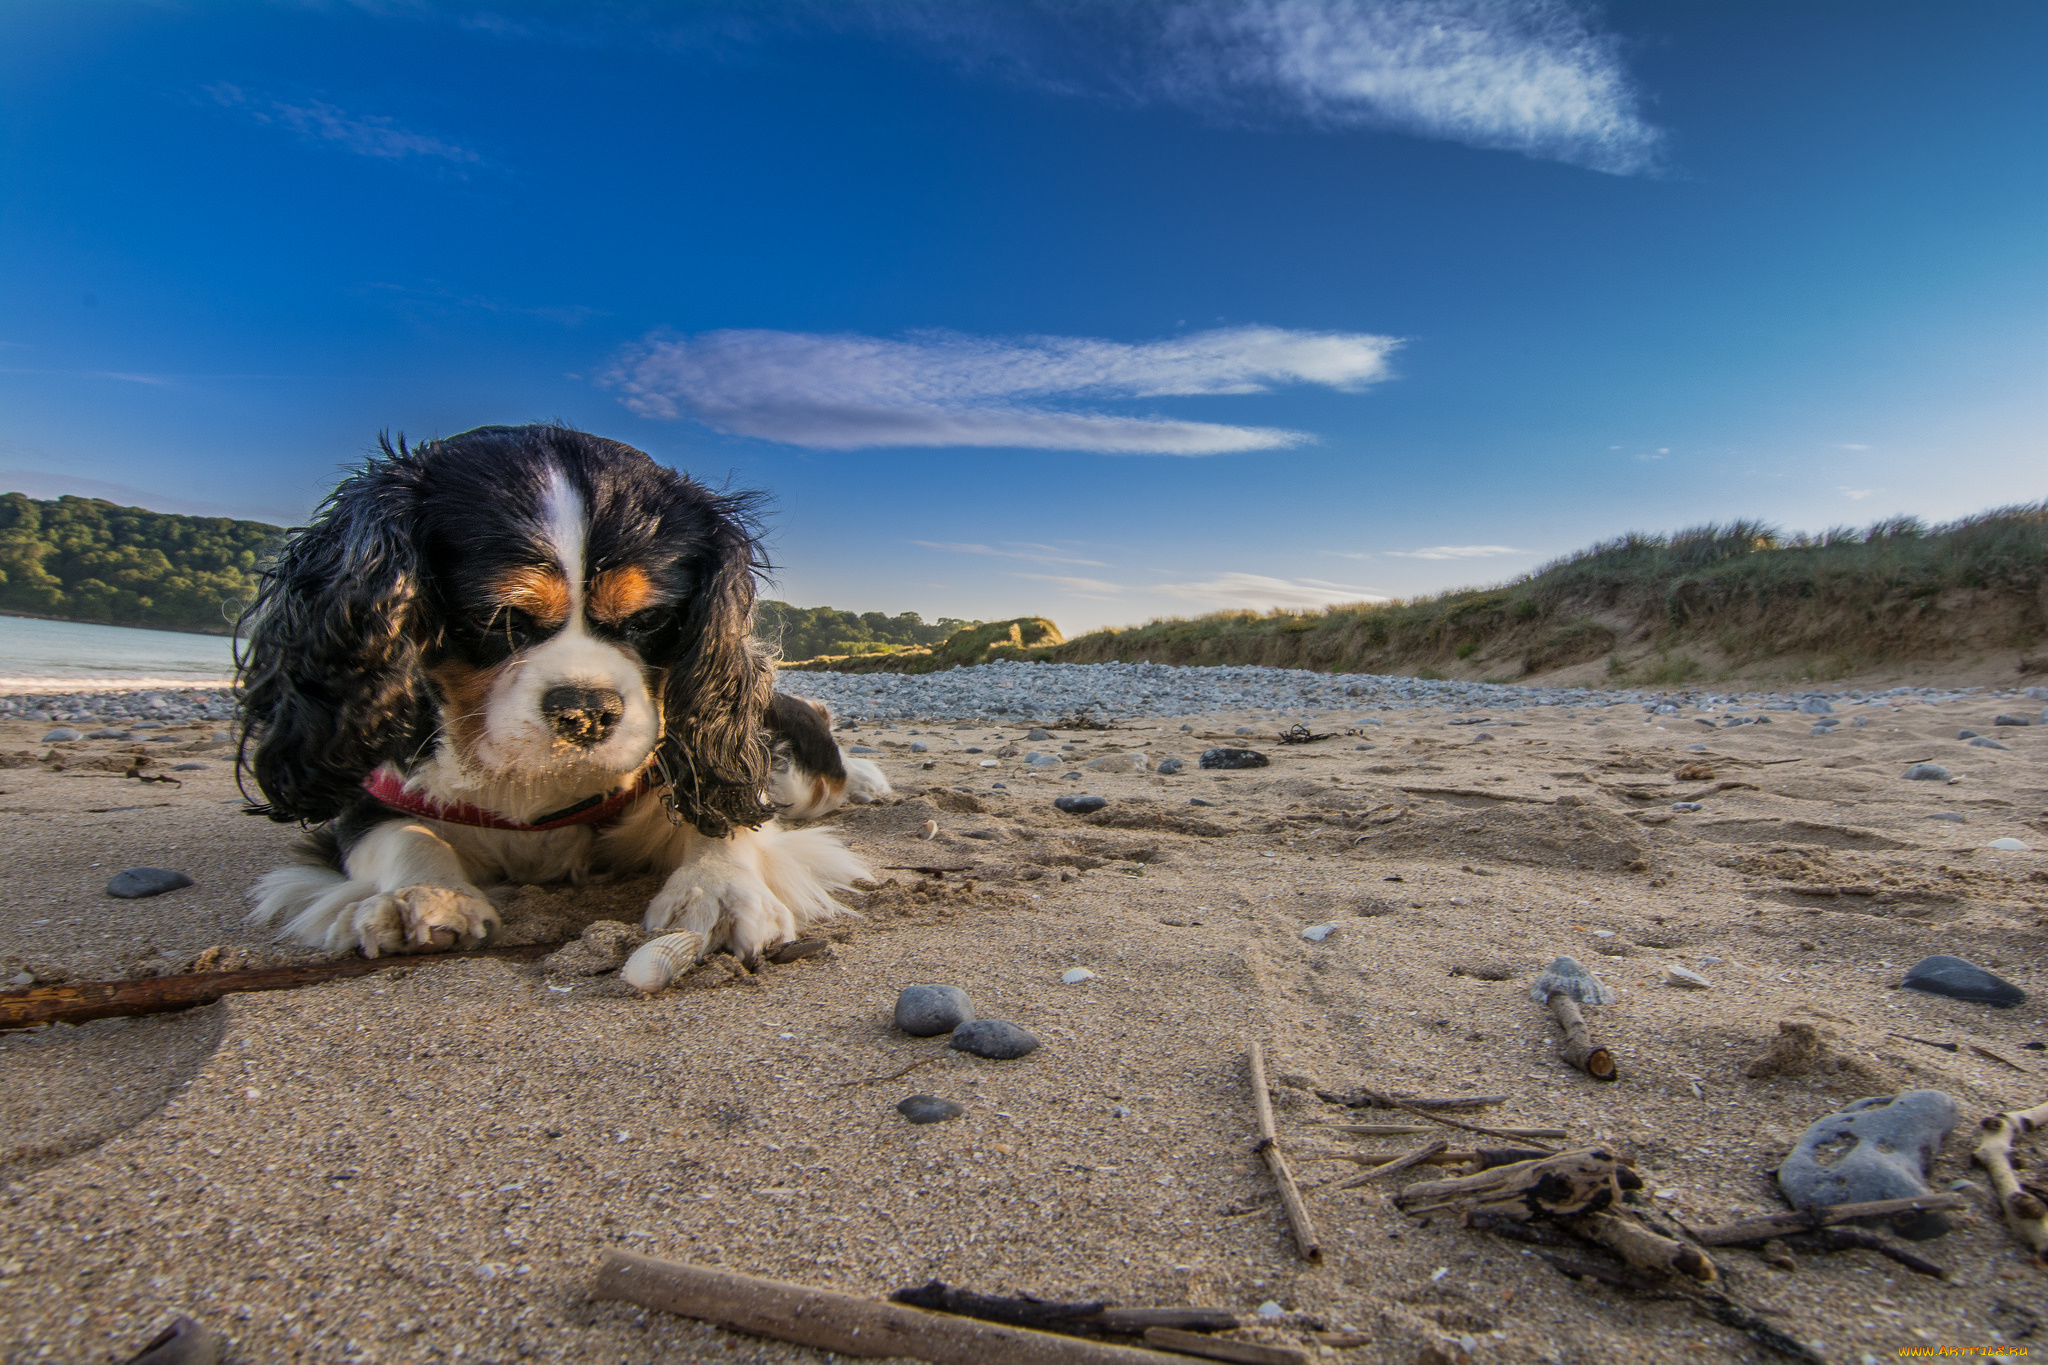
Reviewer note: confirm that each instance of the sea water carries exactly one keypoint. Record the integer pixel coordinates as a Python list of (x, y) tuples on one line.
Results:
[(70, 655)]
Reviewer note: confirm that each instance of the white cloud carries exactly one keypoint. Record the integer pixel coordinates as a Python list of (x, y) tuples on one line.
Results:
[(1037, 554), (1531, 76), (370, 135), (1857, 494), (1457, 552), (850, 392), (1850, 445), (1259, 592), (1093, 588)]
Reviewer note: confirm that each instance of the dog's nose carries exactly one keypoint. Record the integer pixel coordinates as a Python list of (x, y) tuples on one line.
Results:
[(582, 715)]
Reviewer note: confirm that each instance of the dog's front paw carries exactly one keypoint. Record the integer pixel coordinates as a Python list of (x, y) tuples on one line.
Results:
[(423, 919), (731, 907)]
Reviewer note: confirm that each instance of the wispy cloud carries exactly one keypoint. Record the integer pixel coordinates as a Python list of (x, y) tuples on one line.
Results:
[(1457, 552), (1095, 589), (155, 381), (848, 392), (1850, 445), (1530, 76), (434, 295), (1036, 554), (371, 135), (1258, 591), (1857, 494)]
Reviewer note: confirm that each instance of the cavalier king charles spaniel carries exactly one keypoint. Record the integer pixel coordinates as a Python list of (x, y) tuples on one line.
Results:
[(526, 654)]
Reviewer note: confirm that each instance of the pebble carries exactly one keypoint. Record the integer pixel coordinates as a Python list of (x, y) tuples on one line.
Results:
[(1234, 758), (1119, 763), (1927, 772), (137, 882), (929, 1109), (926, 1011), (1982, 743), (1896, 1139), (1675, 975), (1948, 815), (1246, 730), (1962, 980), (1816, 706), (861, 749), (1966, 734), (1045, 734), (918, 746), (63, 734), (1038, 760), (2007, 845), (106, 734), (1198, 801), (2012, 720), (1075, 975), (1079, 805), (997, 1039), (1316, 933), (1169, 766), (1687, 805), (989, 763)]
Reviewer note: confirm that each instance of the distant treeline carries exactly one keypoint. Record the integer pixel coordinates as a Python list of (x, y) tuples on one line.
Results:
[(85, 559), (807, 632)]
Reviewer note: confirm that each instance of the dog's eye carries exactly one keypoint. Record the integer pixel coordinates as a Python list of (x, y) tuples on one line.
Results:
[(642, 624), (518, 628)]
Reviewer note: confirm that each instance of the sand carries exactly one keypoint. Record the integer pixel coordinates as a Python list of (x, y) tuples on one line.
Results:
[(427, 1163)]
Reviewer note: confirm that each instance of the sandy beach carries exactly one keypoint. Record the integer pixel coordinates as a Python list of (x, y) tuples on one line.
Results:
[(427, 1163)]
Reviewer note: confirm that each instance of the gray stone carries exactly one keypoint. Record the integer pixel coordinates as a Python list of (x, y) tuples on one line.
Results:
[(1038, 734), (1980, 742), (929, 1109), (1198, 801), (918, 746), (1687, 805), (1079, 805), (1947, 815), (63, 734), (1927, 772), (1118, 763), (1876, 1148), (1234, 758), (1966, 734), (137, 882), (106, 734), (1038, 760), (926, 1011), (189, 767), (861, 749), (1816, 706), (996, 1039), (1246, 730), (1169, 766), (2012, 720), (1959, 979)]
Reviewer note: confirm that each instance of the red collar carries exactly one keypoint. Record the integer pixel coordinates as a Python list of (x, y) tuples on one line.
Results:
[(389, 789)]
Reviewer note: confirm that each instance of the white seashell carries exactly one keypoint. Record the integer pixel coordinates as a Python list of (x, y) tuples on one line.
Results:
[(930, 830), (659, 961), (2009, 845), (1675, 975), (1076, 974), (1316, 933)]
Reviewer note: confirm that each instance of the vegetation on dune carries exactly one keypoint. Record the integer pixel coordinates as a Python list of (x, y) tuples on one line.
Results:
[(85, 559), (808, 632), (1734, 594), (1021, 637)]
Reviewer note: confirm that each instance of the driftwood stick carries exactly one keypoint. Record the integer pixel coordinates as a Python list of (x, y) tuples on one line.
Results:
[(1771, 1225), (1074, 1319), (1238, 1352), (2025, 1211), (1846, 1239), (841, 1322), (1578, 1046), (1644, 1249), (1367, 1098), (1421, 1155), (78, 1002), (897, 1074), (1485, 1158), (1269, 1147), (1411, 1129)]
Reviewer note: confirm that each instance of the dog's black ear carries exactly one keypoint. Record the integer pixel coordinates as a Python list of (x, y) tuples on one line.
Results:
[(330, 675), (716, 698)]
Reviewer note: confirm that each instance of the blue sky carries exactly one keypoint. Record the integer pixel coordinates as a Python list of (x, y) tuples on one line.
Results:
[(1101, 310)]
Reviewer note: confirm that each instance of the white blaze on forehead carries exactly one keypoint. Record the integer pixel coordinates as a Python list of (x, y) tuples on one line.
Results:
[(563, 511)]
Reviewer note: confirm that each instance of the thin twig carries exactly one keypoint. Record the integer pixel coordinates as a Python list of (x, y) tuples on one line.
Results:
[(894, 1075), (1269, 1147), (1420, 1156)]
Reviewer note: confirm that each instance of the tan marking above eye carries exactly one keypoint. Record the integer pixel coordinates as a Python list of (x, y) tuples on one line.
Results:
[(541, 593), (616, 594)]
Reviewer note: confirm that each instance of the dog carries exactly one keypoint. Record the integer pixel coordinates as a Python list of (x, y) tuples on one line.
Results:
[(525, 654)]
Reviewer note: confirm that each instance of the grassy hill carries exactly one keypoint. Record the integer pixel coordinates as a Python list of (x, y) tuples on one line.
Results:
[(1710, 602)]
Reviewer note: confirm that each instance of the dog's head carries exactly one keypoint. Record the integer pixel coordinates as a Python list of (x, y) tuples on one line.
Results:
[(535, 605)]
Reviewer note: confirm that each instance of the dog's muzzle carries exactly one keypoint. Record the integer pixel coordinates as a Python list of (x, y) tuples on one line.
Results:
[(582, 715)]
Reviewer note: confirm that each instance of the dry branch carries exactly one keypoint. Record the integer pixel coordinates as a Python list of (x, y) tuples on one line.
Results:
[(1578, 1046), (1048, 1315), (1772, 1225), (78, 1002), (1422, 1155), (1847, 1239), (1411, 1129), (1305, 1235), (2025, 1210), (841, 1322), (1365, 1097), (1644, 1249), (1238, 1352)]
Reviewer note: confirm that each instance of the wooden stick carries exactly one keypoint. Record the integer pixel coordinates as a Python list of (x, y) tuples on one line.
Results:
[(840, 1322), (1421, 1155), (1644, 1249), (1269, 1146), (894, 1075), (1846, 1239), (1367, 1098), (1073, 1319), (2024, 1211), (1771, 1225), (1215, 1348), (78, 1002), (1411, 1129), (1578, 1046)]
